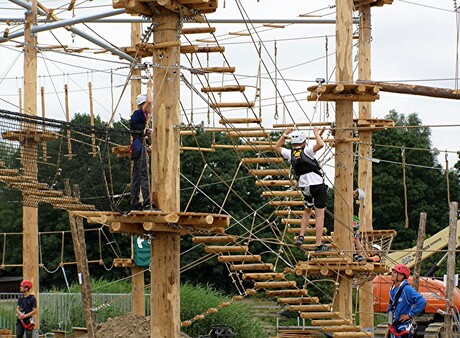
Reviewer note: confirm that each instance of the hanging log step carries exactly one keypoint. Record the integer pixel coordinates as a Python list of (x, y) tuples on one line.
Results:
[(317, 315), (8, 172), (226, 248), (269, 172), (249, 133), (330, 322), (308, 230), (275, 285), (289, 212), (281, 293), (263, 276), (252, 267), (352, 334), (296, 221), (45, 193), (232, 105), (230, 88), (286, 203), (239, 258), (276, 183), (348, 92), (123, 263), (262, 160), (282, 193), (205, 70), (198, 30), (255, 147), (212, 49), (30, 134), (311, 247), (310, 307), (74, 207), (341, 328), (214, 239), (298, 300)]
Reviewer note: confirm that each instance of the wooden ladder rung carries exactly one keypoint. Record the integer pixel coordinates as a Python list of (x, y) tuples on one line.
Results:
[(252, 267), (214, 70), (276, 183), (211, 49), (255, 147), (341, 328), (226, 248), (275, 285), (316, 315), (214, 239), (232, 105), (281, 193), (310, 307), (248, 133), (298, 300), (277, 293), (289, 212), (239, 258), (198, 30), (269, 172), (296, 221), (238, 120), (263, 276), (229, 88), (352, 334), (330, 322), (308, 230), (262, 160), (286, 203)]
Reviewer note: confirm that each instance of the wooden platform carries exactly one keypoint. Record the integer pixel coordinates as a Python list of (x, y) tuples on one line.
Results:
[(144, 222), (347, 92)]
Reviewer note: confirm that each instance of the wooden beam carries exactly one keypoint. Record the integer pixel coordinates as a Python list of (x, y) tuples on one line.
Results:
[(402, 88)]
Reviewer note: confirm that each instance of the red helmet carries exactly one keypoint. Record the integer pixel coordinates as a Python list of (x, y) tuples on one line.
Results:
[(401, 268), (26, 283)]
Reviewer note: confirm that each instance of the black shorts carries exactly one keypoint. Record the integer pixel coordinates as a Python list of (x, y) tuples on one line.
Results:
[(315, 196)]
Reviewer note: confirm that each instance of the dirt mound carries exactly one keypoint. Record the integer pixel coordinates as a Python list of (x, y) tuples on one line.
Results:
[(127, 326)]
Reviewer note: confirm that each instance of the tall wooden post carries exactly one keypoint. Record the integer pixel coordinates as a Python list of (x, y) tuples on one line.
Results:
[(451, 248), (343, 197), (366, 305), (137, 279), (165, 250), (29, 161)]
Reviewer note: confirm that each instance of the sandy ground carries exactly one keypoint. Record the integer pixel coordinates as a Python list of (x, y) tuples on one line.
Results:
[(128, 326)]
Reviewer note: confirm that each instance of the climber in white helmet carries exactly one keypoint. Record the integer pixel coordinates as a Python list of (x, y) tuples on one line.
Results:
[(310, 180)]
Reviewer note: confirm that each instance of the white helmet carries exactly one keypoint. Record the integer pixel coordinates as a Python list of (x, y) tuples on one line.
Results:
[(376, 246), (140, 99), (361, 194), (298, 137)]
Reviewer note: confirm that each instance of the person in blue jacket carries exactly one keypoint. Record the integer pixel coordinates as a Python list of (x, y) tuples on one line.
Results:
[(405, 303)]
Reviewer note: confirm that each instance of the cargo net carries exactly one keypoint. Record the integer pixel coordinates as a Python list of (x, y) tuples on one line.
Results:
[(68, 165)]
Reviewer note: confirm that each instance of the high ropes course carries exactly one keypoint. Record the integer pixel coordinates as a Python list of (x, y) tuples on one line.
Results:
[(38, 157)]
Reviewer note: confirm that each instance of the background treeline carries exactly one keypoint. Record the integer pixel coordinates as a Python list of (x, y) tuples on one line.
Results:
[(104, 180)]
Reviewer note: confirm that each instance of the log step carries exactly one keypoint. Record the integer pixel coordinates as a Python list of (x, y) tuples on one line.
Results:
[(252, 267), (211, 49), (277, 183), (298, 300), (286, 203), (315, 315), (341, 328), (214, 239), (281, 193), (275, 285), (198, 30), (330, 322), (226, 248), (255, 147), (281, 293), (249, 133), (263, 276), (310, 307), (232, 88), (262, 160), (232, 105), (239, 258), (289, 212), (311, 247), (214, 70), (297, 221), (269, 172), (308, 230), (352, 334)]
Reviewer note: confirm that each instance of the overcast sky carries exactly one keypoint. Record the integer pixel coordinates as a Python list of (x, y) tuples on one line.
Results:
[(413, 42)]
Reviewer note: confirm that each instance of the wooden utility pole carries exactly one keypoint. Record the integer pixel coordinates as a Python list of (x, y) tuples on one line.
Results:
[(366, 303), (137, 274), (418, 252), (29, 160), (84, 279), (452, 245), (165, 248), (343, 193)]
